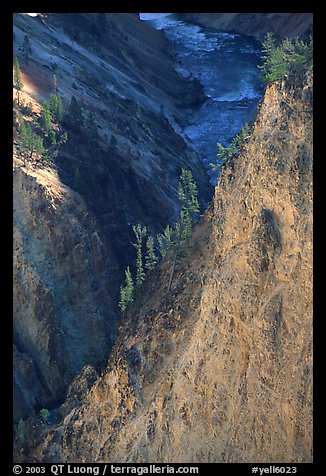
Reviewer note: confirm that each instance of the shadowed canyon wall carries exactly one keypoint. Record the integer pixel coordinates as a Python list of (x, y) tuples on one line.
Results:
[(256, 24)]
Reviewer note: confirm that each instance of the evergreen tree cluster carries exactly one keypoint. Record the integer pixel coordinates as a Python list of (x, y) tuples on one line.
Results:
[(18, 82), (30, 144), (291, 56), (36, 135), (172, 238)]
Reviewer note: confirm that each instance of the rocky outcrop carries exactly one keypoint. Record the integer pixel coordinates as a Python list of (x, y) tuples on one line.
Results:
[(256, 24), (219, 369), (63, 272)]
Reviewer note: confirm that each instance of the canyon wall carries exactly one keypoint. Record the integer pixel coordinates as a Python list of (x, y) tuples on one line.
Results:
[(256, 24), (63, 277), (219, 368), (73, 218)]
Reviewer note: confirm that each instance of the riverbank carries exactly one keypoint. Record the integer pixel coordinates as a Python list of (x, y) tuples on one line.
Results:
[(226, 66)]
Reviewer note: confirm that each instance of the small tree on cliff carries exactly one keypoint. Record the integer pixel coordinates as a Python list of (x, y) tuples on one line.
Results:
[(226, 153), (140, 233), (55, 106), (188, 196), (45, 415), (126, 291), (165, 240), (150, 259), (45, 121), (91, 131), (26, 48), (29, 143), (18, 82), (75, 113)]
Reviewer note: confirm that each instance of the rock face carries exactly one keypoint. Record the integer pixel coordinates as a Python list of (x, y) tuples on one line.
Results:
[(219, 369), (256, 24), (72, 221), (63, 272)]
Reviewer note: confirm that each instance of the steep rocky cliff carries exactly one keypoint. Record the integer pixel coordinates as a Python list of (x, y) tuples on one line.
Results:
[(72, 219), (256, 24), (63, 274), (219, 369)]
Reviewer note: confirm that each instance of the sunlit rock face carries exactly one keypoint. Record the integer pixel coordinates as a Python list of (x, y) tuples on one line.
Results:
[(219, 367)]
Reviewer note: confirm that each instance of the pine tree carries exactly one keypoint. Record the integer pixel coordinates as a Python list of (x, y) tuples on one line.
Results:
[(165, 240), (188, 196), (38, 146), (126, 291), (91, 128), (75, 112), (18, 82), (280, 60), (29, 143), (45, 121), (45, 415), (23, 141), (26, 48), (150, 259), (140, 234), (45, 117), (185, 223), (226, 153), (55, 106)]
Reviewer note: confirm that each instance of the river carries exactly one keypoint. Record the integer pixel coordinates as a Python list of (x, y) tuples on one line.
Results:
[(226, 66)]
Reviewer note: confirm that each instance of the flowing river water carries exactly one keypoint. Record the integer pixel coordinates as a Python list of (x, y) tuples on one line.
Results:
[(226, 66)]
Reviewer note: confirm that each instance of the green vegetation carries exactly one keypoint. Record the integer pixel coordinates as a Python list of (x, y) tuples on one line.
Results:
[(21, 432), (75, 112), (172, 239), (45, 122), (279, 61), (45, 415), (151, 258), (55, 107), (226, 153), (29, 143), (92, 132), (26, 48), (38, 137), (126, 291), (188, 196), (140, 233), (165, 239), (26, 109), (18, 82)]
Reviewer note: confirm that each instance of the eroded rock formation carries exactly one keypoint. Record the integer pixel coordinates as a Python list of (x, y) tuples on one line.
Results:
[(63, 274), (220, 368)]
